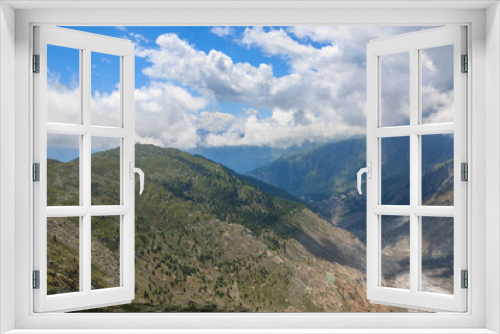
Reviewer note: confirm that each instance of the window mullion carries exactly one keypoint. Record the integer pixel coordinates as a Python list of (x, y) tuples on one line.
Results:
[(81, 230), (421, 129), (414, 171), (85, 241), (434, 129), (421, 211)]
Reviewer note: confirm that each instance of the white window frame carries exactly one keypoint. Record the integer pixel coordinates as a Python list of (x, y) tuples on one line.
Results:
[(484, 121), (412, 44), (86, 44)]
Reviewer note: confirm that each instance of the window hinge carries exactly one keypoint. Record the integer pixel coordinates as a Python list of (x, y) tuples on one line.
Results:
[(464, 171), (465, 279), (36, 279), (36, 63), (36, 172), (465, 64)]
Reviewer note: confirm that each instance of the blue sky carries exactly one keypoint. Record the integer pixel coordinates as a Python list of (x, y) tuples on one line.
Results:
[(240, 86), (200, 37)]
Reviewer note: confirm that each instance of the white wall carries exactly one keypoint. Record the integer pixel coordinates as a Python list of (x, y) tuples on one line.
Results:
[(7, 160), (305, 17), (492, 164)]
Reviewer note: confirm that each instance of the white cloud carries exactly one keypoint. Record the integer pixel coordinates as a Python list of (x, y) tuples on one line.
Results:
[(222, 31), (212, 74), (251, 111), (57, 141), (104, 143), (105, 108), (63, 101), (437, 82), (214, 121), (137, 38), (276, 42), (437, 105), (105, 60), (166, 115), (321, 98), (354, 36), (395, 89), (280, 131), (427, 63)]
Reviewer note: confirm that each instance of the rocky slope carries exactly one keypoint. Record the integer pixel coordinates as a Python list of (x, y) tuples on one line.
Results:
[(325, 179)]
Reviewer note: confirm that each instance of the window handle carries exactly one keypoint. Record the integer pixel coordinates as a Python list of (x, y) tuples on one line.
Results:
[(368, 171), (139, 171)]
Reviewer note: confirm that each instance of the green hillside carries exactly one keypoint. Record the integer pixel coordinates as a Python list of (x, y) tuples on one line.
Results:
[(209, 240)]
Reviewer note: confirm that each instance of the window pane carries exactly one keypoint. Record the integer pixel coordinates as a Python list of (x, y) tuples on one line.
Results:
[(437, 170), (63, 262), (395, 171), (105, 105), (395, 252), (437, 254), (395, 89), (105, 186), (105, 252), (63, 170), (63, 85), (437, 84)]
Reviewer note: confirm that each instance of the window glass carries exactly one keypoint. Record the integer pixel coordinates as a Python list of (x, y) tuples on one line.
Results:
[(63, 255), (63, 85), (395, 89), (106, 92), (105, 252), (437, 254), (437, 84), (395, 171), (437, 170), (63, 170), (395, 252), (105, 179)]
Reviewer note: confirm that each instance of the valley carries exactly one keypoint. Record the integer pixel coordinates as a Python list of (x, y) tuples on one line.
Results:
[(310, 177), (211, 240)]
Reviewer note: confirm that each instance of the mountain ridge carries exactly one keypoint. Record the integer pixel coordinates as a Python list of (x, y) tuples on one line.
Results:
[(325, 178)]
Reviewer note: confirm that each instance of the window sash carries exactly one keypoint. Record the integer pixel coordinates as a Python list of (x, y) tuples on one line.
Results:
[(85, 298), (413, 298)]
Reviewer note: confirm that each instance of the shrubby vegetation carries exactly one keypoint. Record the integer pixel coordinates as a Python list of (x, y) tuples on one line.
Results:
[(209, 240)]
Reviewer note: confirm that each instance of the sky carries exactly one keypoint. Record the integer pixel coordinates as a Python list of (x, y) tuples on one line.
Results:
[(245, 86)]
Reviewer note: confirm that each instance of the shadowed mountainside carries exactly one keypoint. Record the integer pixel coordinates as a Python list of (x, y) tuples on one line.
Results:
[(325, 179)]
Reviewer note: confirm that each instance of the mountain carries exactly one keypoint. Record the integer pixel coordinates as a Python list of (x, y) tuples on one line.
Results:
[(245, 158), (323, 171), (208, 239), (325, 178), (269, 189)]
